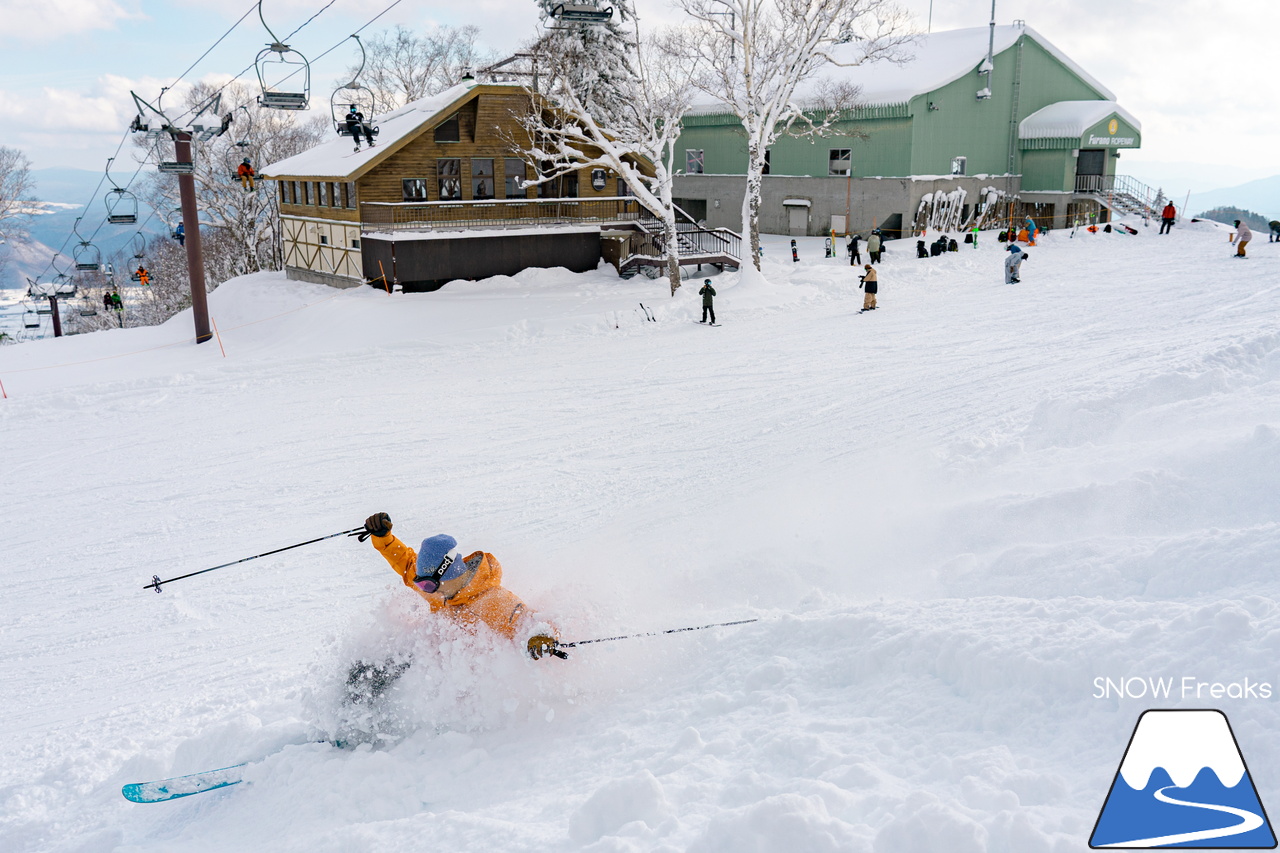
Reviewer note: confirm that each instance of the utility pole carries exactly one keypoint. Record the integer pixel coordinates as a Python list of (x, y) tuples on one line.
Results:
[(57, 319), (191, 224)]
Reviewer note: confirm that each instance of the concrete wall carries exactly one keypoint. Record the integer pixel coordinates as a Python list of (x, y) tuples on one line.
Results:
[(871, 202)]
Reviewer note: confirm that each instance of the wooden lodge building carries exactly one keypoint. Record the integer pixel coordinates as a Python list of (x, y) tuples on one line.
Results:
[(439, 198)]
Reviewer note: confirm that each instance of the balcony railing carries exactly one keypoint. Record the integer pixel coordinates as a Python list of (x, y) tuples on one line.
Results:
[(496, 213)]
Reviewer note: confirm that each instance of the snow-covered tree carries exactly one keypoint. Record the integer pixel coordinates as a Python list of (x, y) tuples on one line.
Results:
[(402, 66), (606, 100), (16, 187), (754, 58)]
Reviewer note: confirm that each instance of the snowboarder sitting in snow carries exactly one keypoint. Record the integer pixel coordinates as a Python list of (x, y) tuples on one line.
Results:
[(355, 124), (708, 293), (1274, 236), (468, 590), (245, 173), (921, 251)]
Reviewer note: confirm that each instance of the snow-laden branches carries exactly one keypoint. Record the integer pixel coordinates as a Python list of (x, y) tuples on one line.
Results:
[(613, 103), (755, 57), (16, 187)]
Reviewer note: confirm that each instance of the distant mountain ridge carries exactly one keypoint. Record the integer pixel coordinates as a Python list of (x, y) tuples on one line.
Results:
[(1262, 196)]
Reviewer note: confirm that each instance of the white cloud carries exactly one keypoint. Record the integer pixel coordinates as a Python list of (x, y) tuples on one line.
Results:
[(44, 20)]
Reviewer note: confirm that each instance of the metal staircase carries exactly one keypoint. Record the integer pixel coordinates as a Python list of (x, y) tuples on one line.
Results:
[(695, 244), (1119, 193)]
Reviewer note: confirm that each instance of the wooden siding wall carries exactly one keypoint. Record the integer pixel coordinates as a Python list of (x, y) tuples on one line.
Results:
[(486, 123)]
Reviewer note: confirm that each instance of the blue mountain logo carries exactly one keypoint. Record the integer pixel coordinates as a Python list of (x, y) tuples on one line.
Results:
[(1183, 783)]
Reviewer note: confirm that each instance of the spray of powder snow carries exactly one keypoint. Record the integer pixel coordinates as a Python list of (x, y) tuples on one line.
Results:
[(453, 679)]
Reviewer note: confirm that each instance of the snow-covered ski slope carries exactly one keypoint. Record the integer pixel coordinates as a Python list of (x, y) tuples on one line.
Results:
[(951, 515)]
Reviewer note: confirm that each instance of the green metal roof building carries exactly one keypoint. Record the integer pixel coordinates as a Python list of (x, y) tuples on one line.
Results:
[(937, 139)]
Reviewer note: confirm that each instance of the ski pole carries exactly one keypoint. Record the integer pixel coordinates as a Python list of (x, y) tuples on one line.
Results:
[(654, 633), (156, 583)]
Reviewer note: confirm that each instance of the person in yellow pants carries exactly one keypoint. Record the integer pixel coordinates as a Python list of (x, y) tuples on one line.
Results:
[(870, 286)]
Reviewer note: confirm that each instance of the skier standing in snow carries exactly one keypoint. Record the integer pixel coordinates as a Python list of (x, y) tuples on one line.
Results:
[(355, 123), (874, 247), (870, 286), (708, 293), (855, 256), (1242, 237), (1013, 264), (468, 590), (1167, 216)]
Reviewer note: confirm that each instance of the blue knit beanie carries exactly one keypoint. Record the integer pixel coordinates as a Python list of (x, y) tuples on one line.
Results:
[(433, 553)]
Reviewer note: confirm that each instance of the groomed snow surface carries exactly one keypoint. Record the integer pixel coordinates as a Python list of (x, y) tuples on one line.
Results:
[(950, 515)]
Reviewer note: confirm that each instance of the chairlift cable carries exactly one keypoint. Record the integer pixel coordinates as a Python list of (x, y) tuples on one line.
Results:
[(215, 44)]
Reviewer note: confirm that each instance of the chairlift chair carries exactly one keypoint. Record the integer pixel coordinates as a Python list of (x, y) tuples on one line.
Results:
[(273, 73), (88, 257), (139, 245), (30, 319), (353, 94), (87, 307), (581, 13), (242, 137), (122, 205)]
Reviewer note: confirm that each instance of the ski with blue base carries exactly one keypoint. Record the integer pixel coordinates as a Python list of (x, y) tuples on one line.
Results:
[(163, 790)]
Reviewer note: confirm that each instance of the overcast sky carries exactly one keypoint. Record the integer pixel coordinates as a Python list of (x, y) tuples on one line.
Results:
[(1199, 74)]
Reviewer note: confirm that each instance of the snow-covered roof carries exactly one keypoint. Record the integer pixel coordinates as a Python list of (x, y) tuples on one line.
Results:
[(337, 157), (1070, 119), (938, 59)]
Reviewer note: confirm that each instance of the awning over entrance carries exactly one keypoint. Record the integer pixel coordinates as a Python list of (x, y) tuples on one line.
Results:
[(1080, 124)]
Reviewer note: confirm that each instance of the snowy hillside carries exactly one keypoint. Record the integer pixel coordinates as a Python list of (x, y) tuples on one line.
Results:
[(951, 515)]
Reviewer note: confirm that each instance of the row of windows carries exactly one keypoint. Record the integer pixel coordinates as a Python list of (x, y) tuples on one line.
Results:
[(839, 162), (448, 185), (483, 180), (319, 193)]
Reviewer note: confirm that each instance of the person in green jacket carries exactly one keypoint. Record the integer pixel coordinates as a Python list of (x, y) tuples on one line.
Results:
[(707, 293)]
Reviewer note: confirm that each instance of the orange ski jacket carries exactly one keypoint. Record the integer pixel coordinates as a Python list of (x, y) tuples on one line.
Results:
[(244, 170), (483, 599)]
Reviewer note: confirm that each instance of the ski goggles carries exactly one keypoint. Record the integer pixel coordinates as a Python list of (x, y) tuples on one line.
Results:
[(431, 583)]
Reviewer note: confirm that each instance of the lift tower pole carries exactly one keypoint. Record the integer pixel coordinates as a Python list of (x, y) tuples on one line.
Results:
[(191, 225)]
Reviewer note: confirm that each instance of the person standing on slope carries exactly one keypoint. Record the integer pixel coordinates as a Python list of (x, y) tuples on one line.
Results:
[(855, 256), (874, 246), (1167, 216), (870, 287), (708, 293), (467, 590), (1242, 237)]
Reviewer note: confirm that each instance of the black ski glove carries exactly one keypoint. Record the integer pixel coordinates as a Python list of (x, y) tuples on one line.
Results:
[(378, 524)]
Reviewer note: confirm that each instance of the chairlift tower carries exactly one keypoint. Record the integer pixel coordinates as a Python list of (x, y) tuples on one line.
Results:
[(204, 125)]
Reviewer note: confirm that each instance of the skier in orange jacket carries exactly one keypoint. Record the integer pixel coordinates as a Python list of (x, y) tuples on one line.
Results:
[(246, 174), (468, 590)]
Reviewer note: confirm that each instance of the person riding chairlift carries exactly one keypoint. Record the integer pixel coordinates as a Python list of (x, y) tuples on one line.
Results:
[(246, 174), (355, 123)]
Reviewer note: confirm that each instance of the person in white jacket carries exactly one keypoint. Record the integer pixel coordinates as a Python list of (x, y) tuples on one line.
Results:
[(1242, 237)]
